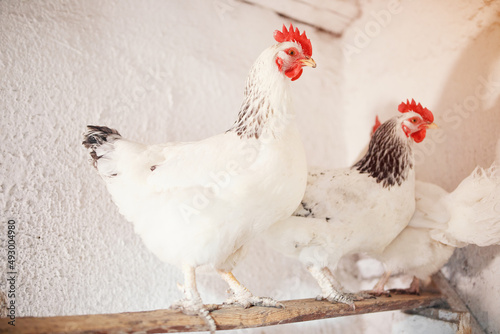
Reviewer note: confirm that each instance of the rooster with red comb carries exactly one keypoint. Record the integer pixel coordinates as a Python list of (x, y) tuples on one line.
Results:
[(360, 209), (248, 178)]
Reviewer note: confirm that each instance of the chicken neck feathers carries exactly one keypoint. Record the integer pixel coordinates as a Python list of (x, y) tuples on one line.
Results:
[(389, 159)]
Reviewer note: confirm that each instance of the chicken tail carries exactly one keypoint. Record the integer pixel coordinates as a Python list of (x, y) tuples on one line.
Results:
[(475, 210), (99, 141)]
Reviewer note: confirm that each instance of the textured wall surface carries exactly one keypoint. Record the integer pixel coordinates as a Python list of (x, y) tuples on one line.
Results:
[(175, 71)]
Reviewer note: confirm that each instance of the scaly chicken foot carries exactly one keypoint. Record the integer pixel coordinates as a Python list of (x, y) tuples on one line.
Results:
[(339, 297), (327, 282), (362, 295), (242, 296), (192, 303)]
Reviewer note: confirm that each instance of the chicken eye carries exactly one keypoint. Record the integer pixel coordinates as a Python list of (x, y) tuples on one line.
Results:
[(291, 52), (414, 120)]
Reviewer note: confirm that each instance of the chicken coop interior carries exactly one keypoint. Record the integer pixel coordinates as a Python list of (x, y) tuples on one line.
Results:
[(175, 71)]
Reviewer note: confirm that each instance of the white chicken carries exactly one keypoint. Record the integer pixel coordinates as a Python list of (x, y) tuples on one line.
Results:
[(357, 209), (442, 222), (200, 203)]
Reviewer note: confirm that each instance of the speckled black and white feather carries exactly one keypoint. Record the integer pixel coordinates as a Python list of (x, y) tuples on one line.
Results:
[(264, 110), (388, 161), (99, 141), (389, 157)]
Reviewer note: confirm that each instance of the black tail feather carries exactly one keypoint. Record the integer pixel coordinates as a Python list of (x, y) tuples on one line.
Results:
[(95, 137)]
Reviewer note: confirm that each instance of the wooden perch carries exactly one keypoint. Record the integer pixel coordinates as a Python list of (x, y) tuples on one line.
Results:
[(457, 313), (233, 317)]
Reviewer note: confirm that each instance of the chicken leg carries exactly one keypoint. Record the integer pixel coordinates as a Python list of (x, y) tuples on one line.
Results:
[(242, 296), (192, 303), (379, 288), (327, 282)]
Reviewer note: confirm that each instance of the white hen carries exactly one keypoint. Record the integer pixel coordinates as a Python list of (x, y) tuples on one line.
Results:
[(443, 221), (199, 203), (357, 209)]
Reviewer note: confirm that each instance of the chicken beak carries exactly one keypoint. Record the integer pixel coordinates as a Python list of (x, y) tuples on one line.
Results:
[(308, 61), (432, 126)]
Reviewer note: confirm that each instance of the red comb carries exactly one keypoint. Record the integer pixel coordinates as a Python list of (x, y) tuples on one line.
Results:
[(294, 35), (413, 106), (376, 125)]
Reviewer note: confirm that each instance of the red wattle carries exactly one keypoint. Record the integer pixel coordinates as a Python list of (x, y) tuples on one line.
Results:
[(419, 135), (294, 73), (298, 75)]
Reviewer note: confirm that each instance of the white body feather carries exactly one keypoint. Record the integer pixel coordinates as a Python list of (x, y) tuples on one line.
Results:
[(443, 221), (363, 217), (207, 199), (414, 253), (474, 210)]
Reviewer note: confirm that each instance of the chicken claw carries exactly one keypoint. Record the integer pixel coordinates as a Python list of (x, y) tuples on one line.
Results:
[(242, 296), (326, 280), (192, 303), (195, 307), (246, 299), (338, 297)]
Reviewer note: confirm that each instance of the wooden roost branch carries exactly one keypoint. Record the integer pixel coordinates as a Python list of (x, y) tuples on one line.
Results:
[(233, 317)]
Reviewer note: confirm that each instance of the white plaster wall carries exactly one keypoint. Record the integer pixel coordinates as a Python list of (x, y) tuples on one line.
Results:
[(172, 70)]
